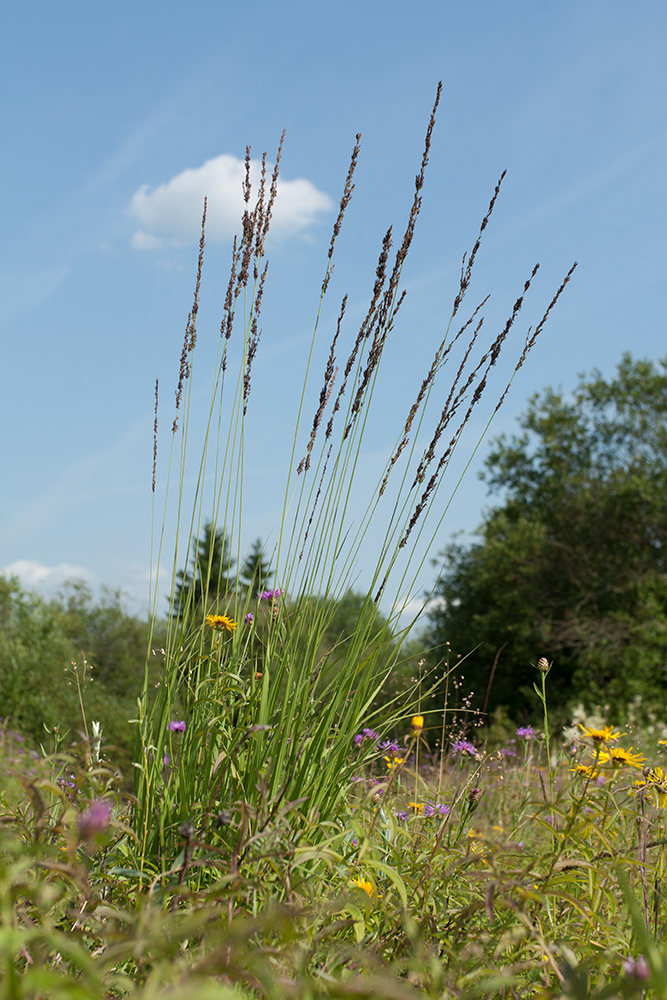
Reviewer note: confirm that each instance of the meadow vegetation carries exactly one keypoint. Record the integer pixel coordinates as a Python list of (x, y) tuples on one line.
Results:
[(310, 809)]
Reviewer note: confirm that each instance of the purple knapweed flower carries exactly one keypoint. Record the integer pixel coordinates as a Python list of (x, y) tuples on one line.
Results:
[(526, 733), (270, 595), (506, 752), (463, 746), (402, 815), (429, 809), (637, 970), (177, 726), (94, 820), (249, 618), (441, 808)]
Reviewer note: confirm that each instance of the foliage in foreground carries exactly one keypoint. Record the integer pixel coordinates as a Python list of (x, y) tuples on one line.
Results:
[(571, 564), (517, 873)]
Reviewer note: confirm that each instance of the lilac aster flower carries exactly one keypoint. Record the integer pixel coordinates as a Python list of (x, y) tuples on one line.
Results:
[(429, 809), (463, 746), (366, 734), (402, 815), (442, 809), (177, 726), (526, 733), (391, 748), (94, 820), (249, 618)]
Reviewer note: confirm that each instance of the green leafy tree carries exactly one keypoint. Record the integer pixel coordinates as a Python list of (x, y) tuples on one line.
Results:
[(209, 580), (572, 564)]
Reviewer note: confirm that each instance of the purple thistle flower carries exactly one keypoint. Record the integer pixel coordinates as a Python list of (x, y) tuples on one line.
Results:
[(94, 820), (463, 746), (526, 733), (270, 595), (429, 809), (442, 809), (177, 726), (249, 618)]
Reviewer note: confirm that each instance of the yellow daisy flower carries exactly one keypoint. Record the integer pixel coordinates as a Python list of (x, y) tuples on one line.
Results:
[(598, 736), (585, 771), (223, 623), (417, 806), (619, 757), (654, 786), (393, 762), (417, 723), (365, 885)]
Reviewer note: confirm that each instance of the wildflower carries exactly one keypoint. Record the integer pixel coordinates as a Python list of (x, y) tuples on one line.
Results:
[(543, 665), (637, 970), (474, 795), (222, 623), (618, 757), (366, 734), (365, 885), (249, 618), (392, 748), (94, 820), (463, 746), (393, 762), (417, 806), (270, 595), (585, 771), (598, 736), (402, 815), (654, 785), (526, 733), (417, 723), (177, 726), (429, 809), (441, 808)]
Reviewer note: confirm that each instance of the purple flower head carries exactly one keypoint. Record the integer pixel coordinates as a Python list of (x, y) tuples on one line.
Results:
[(442, 809), (402, 815), (366, 734), (463, 746), (176, 726), (637, 970), (391, 748), (506, 752), (167, 759), (429, 809), (526, 733), (249, 618), (271, 595), (94, 820)]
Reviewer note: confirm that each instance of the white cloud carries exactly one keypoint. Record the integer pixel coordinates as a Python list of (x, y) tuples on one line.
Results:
[(34, 574), (170, 214)]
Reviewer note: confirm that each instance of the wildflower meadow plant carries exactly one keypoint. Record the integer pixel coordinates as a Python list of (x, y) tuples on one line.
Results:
[(271, 712)]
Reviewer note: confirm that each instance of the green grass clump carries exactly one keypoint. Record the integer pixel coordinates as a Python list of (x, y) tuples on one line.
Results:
[(289, 832)]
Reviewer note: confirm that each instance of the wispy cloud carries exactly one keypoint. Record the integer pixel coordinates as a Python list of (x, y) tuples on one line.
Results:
[(170, 214), (35, 574)]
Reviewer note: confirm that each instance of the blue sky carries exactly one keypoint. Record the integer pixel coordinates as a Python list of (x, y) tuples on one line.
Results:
[(116, 116)]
